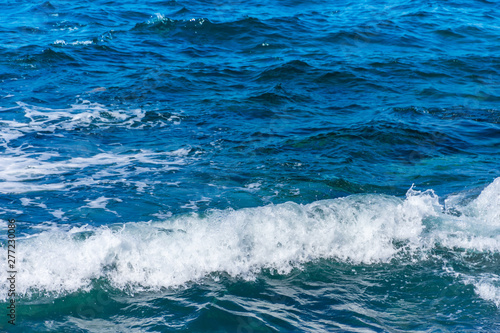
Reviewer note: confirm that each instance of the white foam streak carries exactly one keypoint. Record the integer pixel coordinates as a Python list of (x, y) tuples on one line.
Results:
[(46, 120), (16, 187), (101, 203), (21, 166), (16, 172)]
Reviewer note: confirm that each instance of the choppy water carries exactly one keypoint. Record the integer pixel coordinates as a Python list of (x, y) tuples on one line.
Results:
[(246, 166)]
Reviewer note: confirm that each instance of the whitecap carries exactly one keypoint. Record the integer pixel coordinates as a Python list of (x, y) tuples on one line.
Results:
[(358, 229)]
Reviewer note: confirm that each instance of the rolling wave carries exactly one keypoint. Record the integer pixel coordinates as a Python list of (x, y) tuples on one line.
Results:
[(358, 229)]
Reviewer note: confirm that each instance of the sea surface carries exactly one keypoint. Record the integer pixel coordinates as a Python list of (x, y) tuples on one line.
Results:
[(251, 166)]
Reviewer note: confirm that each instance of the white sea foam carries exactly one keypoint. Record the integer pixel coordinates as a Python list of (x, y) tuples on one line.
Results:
[(486, 285), (58, 213), (488, 291), (478, 226), (101, 203), (18, 171), (17, 187), (22, 166), (358, 229), (31, 202), (83, 114), (82, 42), (486, 206)]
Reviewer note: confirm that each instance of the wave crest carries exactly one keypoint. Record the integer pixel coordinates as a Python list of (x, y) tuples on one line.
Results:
[(357, 229)]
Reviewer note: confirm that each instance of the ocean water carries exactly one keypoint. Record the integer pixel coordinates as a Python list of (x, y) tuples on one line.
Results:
[(251, 166)]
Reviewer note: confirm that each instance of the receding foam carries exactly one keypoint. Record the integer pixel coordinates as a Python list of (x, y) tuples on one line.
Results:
[(22, 166)]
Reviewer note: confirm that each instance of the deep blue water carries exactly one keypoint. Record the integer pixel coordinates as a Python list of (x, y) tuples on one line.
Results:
[(250, 166)]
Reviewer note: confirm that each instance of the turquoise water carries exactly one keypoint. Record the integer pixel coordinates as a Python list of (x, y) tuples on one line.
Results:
[(244, 166)]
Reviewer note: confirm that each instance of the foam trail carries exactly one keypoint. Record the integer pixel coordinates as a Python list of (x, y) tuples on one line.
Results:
[(47, 120), (362, 229), (17, 172)]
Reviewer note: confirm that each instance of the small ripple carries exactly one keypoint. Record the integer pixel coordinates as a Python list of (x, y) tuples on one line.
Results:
[(285, 71), (449, 33)]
